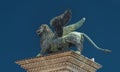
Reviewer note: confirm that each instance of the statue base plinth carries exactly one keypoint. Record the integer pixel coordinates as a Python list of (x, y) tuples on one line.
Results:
[(61, 62)]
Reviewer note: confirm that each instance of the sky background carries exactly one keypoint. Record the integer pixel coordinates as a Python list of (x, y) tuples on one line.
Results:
[(19, 19)]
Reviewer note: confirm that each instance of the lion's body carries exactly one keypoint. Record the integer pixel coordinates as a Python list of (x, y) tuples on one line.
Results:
[(49, 44), (67, 41)]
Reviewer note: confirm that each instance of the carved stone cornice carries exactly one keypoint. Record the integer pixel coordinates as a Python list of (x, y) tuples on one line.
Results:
[(61, 62)]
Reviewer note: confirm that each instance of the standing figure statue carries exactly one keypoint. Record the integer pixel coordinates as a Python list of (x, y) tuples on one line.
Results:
[(63, 36)]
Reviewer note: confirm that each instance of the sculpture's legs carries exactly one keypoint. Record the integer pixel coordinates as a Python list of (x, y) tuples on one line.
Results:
[(42, 52), (79, 44), (39, 55), (79, 47)]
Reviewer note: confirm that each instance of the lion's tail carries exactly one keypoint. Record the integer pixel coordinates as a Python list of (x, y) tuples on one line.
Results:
[(91, 41)]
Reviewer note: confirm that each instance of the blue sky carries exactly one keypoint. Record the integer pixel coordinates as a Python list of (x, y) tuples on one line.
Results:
[(19, 20)]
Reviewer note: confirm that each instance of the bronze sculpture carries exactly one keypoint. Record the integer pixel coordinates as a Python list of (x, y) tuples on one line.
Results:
[(63, 37)]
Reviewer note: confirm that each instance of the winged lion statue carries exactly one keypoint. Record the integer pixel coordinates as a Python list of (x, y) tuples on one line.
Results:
[(63, 36)]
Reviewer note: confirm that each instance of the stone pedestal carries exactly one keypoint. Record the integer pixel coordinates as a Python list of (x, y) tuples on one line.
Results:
[(61, 62)]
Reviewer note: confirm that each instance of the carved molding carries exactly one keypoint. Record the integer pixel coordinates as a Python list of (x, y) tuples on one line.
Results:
[(61, 62)]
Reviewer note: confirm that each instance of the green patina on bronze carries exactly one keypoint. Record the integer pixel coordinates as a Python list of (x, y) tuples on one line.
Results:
[(64, 37)]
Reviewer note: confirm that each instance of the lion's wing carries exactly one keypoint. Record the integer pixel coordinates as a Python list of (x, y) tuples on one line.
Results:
[(59, 22), (73, 27)]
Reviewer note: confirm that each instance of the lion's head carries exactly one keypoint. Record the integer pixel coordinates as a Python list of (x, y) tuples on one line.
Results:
[(44, 28)]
